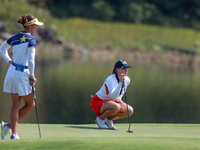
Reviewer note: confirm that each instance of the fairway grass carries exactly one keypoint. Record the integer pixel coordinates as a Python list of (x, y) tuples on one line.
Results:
[(89, 137)]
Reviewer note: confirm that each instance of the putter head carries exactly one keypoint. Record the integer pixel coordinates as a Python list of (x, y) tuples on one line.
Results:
[(130, 131)]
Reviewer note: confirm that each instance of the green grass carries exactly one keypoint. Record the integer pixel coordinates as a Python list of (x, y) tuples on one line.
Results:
[(123, 36), (98, 35), (11, 11), (88, 136)]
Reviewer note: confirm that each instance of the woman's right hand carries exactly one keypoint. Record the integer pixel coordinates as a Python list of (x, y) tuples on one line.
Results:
[(10, 62), (32, 80), (122, 77)]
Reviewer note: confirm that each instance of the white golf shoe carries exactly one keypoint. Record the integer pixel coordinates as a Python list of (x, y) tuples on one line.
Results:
[(101, 123), (109, 123), (4, 130), (14, 136)]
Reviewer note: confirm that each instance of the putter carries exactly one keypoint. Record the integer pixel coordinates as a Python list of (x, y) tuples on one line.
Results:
[(34, 97), (129, 131)]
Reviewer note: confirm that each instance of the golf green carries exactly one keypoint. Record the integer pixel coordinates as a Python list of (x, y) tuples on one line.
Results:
[(88, 136)]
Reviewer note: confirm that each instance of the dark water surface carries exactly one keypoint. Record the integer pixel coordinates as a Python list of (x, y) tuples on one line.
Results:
[(158, 94)]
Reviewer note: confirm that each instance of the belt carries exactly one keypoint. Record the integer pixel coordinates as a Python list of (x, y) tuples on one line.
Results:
[(14, 64)]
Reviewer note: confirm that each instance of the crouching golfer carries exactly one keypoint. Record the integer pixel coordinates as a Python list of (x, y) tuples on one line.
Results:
[(20, 74), (107, 102)]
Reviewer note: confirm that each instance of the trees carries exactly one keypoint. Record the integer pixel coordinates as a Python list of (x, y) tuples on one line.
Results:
[(184, 13)]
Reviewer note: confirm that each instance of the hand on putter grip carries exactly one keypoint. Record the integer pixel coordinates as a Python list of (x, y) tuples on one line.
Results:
[(122, 77), (32, 80)]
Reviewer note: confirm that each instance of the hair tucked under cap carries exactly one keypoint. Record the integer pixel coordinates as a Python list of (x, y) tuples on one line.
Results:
[(27, 20), (120, 64)]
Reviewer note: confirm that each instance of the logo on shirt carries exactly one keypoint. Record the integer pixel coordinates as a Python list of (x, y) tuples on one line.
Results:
[(23, 39)]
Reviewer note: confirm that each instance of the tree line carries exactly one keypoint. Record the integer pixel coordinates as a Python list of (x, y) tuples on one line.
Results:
[(182, 13)]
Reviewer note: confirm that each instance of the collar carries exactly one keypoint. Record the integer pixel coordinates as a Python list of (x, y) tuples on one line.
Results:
[(25, 32), (118, 82), (117, 77)]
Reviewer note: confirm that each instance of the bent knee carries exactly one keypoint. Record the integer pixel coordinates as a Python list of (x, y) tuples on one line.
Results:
[(116, 107), (33, 104), (131, 111)]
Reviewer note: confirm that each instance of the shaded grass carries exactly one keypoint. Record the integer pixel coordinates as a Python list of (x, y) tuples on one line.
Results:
[(125, 36), (88, 136)]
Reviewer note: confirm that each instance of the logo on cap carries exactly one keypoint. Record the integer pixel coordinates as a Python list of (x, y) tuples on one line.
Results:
[(121, 64)]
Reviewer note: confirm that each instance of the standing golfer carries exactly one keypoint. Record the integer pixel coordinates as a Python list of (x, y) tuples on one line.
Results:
[(107, 102), (20, 74)]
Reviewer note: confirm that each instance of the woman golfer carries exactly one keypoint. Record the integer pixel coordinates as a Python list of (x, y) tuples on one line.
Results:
[(20, 74), (107, 102)]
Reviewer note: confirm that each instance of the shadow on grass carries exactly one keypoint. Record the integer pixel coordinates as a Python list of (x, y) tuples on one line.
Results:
[(84, 127)]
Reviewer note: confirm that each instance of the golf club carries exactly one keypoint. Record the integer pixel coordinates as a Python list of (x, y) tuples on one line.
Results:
[(34, 97), (129, 131)]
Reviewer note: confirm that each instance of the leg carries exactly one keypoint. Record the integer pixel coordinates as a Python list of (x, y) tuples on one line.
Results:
[(17, 114), (29, 104), (109, 108), (122, 113), (14, 113)]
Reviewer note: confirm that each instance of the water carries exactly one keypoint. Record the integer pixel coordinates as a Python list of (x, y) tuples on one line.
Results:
[(158, 94)]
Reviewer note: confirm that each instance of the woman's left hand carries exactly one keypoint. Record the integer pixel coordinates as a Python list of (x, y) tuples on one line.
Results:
[(32, 80)]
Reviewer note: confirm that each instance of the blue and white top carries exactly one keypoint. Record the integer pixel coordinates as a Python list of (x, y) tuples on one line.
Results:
[(17, 78), (23, 47)]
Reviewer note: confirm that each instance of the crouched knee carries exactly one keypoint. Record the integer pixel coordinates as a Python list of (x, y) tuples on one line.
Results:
[(116, 107), (33, 104), (131, 111)]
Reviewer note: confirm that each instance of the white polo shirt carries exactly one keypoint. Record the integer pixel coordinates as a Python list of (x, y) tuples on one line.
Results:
[(112, 89)]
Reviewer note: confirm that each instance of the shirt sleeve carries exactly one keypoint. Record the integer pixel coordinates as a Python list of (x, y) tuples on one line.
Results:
[(117, 91), (32, 43), (4, 51), (31, 60), (113, 90)]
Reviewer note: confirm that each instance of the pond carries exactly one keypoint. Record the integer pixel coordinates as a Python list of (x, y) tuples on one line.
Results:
[(158, 94)]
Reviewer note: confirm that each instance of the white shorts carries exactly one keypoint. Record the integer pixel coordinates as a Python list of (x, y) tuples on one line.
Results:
[(17, 82)]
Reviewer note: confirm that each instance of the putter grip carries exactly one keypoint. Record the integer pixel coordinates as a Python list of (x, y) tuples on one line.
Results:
[(33, 91), (124, 83)]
